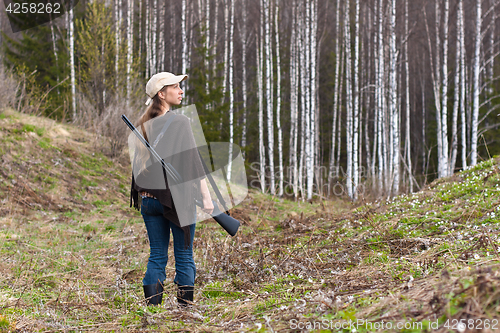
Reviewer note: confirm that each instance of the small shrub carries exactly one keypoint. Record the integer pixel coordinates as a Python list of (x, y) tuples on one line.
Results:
[(89, 228), (5, 325), (28, 128), (45, 143)]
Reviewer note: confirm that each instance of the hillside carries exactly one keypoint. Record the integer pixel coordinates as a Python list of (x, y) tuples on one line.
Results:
[(73, 253)]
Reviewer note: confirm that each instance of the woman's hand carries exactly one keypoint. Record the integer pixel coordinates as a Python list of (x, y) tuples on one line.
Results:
[(208, 206)]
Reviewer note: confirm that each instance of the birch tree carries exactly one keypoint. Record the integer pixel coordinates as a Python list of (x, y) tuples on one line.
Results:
[(161, 36), (311, 96), (383, 174), (139, 53), (153, 44), (53, 47), (437, 88), (216, 33), (461, 37), (475, 83), (393, 107), (130, 40), (231, 92), (294, 102), (207, 40), (492, 53), (226, 45), (117, 39), (278, 102), (268, 82), (407, 104), (355, 105), (72, 59), (302, 70), (348, 107), (456, 102), (260, 56), (445, 170), (336, 87), (184, 55), (244, 39), (147, 27)]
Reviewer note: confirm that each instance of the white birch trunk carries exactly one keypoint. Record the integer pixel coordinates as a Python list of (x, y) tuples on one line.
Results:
[(226, 46), (161, 37), (184, 37), (231, 93), (147, 27), (336, 88), (269, 96), (294, 103), (475, 83), (356, 102), (393, 107), (309, 153), (461, 37), (303, 105), (436, 84), (444, 97), (407, 77), (154, 45), (173, 40), (456, 105), (376, 173), (216, 33), (72, 61), (491, 60), (130, 40), (140, 31), (244, 39), (117, 40), (339, 116), (382, 146), (348, 75), (318, 149), (53, 47), (366, 80), (278, 103), (260, 56), (207, 44), (313, 94)]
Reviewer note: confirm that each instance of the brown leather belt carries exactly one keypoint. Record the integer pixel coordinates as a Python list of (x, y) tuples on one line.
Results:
[(147, 195)]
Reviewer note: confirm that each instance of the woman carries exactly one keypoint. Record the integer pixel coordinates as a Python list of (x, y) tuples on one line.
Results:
[(157, 208)]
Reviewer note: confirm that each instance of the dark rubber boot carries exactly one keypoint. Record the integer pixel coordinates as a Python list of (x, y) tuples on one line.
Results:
[(185, 295), (153, 293)]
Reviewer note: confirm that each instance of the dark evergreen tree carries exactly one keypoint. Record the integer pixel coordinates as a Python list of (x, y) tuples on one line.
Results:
[(32, 58), (211, 105)]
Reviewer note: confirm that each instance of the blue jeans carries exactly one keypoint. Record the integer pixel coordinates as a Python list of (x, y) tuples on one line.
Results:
[(158, 228)]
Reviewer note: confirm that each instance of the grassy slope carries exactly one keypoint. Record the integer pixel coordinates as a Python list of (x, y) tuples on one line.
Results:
[(72, 253)]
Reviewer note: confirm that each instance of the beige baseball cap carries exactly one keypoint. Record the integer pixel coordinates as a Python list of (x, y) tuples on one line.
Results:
[(159, 80)]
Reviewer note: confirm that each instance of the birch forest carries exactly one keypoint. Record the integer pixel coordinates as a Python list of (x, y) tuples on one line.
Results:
[(327, 98)]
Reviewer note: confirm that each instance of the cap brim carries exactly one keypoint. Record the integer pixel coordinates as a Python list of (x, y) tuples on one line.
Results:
[(179, 78)]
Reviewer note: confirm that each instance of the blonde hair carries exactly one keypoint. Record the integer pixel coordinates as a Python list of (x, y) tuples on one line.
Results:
[(154, 110)]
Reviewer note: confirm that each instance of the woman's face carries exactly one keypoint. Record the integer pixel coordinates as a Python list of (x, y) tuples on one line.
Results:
[(172, 95)]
